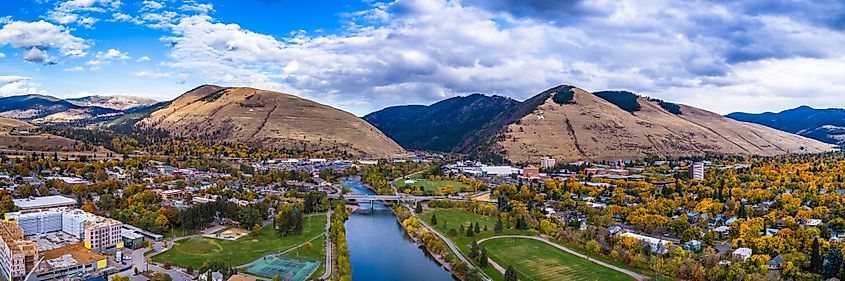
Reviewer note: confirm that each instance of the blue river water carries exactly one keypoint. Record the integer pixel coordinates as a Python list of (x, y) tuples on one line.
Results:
[(379, 249)]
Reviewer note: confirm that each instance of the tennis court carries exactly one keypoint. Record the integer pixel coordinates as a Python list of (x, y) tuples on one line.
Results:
[(287, 268)]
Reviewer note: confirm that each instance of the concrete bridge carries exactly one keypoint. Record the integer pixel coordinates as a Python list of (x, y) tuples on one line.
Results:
[(392, 198)]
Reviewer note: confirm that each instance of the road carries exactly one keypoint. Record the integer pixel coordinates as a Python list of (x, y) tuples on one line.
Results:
[(637, 276), (139, 261), (449, 243)]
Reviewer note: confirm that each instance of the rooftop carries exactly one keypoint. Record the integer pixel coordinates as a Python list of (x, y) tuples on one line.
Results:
[(43, 202)]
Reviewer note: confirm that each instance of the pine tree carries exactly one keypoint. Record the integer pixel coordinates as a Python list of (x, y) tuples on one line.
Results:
[(418, 209), (485, 227), (477, 228), (434, 219), (462, 228), (470, 233), (473, 250), (482, 260), (833, 262), (510, 274), (498, 227), (815, 257)]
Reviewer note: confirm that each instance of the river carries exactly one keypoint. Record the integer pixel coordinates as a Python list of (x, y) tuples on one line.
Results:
[(379, 249)]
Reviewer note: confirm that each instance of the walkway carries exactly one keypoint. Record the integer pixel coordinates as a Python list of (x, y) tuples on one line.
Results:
[(329, 264), (637, 276), (449, 243)]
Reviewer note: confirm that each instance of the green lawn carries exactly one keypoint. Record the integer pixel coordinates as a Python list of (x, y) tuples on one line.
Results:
[(317, 253), (453, 218), (428, 185), (536, 260), (196, 250)]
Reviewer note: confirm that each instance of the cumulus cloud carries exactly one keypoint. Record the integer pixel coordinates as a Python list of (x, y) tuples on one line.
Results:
[(152, 5), (112, 54), (143, 59), (37, 38), (81, 12), (415, 51), (11, 85)]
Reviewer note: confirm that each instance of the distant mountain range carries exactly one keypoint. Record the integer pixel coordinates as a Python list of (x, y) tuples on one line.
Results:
[(46, 109), (826, 125), (570, 124)]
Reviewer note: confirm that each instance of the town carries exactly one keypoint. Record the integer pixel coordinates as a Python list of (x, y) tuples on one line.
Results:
[(166, 219)]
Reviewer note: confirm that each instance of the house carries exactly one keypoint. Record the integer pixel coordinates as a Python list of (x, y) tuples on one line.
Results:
[(742, 253), (657, 245), (722, 230), (692, 245), (613, 230), (772, 231), (215, 276), (775, 263), (813, 223)]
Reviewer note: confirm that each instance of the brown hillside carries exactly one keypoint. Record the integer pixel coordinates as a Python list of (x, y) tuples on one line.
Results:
[(269, 119), (592, 128)]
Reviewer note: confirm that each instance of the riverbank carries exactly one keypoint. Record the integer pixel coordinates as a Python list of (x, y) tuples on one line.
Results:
[(441, 260)]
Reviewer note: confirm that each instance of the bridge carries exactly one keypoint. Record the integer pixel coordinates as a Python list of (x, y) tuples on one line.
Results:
[(391, 198)]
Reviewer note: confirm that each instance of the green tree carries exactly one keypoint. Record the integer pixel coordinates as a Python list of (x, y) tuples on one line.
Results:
[(832, 262), (815, 257), (477, 228), (482, 260), (418, 208), (469, 233), (434, 219), (498, 227), (473, 250), (277, 277), (510, 274)]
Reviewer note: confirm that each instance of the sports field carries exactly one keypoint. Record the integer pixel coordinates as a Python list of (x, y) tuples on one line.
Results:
[(196, 250), (453, 218), (428, 185), (287, 268), (536, 260)]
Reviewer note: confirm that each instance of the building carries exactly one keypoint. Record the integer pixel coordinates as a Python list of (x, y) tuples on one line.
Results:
[(94, 231), (131, 239), (742, 253), (498, 170), (44, 202), (696, 171), (547, 163), (530, 172), (657, 245), (692, 245), (17, 255)]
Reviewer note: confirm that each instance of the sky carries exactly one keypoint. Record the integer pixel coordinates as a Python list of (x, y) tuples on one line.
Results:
[(364, 55)]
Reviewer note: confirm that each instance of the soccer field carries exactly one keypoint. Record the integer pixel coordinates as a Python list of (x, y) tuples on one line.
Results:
[(535, 261)]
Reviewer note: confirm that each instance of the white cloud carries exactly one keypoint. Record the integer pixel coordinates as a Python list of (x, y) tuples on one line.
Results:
[(36, 55), (143, 59), (152, 74), (75, 69), (18, 85), (152, 5), (39, 37), (202, 8), (81, 12), (414, 51), (112, 54), (2, 55)]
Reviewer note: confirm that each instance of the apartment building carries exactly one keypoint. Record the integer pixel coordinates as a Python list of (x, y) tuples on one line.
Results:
[(17, 254), (94, 231)]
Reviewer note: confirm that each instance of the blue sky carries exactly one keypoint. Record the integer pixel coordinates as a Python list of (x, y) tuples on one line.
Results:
[(361, 56)]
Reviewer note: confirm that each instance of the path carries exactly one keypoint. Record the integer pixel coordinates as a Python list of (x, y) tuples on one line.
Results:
[(449, 243), (329, 265), (637, 276)]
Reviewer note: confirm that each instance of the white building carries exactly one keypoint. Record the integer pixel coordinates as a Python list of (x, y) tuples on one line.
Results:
[(547, 163), (742, 253), (499, 170), (44, 202), (657, 245), (94, 231), (696, 171)]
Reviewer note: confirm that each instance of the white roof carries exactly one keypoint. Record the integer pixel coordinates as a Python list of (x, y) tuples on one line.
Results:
[(43, 202), (649, 239), (743, 252), (499, 170)]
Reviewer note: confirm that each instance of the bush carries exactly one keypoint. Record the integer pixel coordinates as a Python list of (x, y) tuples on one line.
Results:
[(625, 100), (564, 95), (671, 107)]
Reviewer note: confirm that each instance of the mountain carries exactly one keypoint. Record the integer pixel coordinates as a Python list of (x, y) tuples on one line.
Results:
[(267, 118), (122, 103), (46, 109), (826, 125), (18, 136), (441, 126), (569, 124)]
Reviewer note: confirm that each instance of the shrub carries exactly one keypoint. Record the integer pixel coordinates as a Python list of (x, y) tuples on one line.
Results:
[(564, 95), (625, 100)]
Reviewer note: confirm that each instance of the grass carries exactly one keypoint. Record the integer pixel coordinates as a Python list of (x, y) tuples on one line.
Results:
[(453, 218), (317, 253), (196, 250), (536, 260), (429, 186)]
